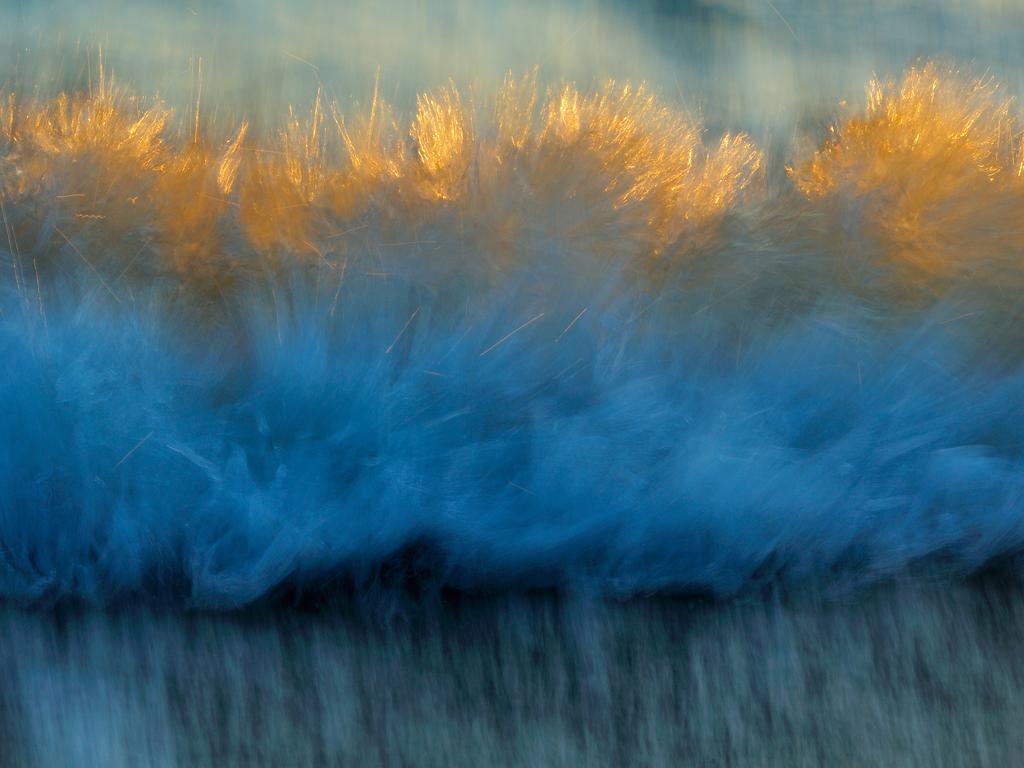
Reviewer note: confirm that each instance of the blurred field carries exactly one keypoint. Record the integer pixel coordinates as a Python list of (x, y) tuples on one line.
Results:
[(910, 675), (296, 298)]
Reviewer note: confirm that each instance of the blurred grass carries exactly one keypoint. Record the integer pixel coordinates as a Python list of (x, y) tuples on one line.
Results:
[(912, 674)]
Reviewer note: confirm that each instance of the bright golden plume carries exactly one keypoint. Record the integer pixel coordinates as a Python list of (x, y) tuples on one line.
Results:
[(282, 188), (321, 172), (644, 159), (95, 176), (923, 182), (514, 113), (639, 172), (442, 134), (374, 150)]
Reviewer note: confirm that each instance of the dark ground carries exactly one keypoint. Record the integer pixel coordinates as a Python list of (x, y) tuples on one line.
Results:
[(923, 674)]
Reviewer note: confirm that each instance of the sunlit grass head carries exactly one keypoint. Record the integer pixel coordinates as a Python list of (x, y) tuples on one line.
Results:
[(923, 180), (639, 166), (107, 181)]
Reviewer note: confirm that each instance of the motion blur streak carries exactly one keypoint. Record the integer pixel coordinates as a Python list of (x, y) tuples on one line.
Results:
[(923, 676)]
